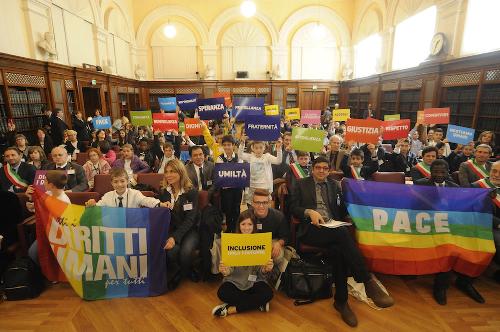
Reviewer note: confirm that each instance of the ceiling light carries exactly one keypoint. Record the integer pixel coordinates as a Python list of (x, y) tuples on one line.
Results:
[(248, 8), (169, 31)]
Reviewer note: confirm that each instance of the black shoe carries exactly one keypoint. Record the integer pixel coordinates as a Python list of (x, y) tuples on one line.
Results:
[(469, 290), (439, 295), (348, 316)]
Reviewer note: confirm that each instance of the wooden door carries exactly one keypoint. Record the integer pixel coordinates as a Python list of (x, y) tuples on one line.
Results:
[(313, 99), (91, 101)]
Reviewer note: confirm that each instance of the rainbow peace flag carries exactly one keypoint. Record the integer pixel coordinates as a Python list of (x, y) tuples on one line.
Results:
[(415, 230), (103, 252)]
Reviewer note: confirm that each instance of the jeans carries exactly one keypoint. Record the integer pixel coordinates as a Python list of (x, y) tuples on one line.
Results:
[(180, 257), (245, 300)]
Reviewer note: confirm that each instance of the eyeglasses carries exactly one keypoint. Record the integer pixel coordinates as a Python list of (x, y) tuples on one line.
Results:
[(261, 203)]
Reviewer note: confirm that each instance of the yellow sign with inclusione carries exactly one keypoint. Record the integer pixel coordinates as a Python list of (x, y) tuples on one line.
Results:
[(341, 114), (292, 113), (272, 109), (246, 249)]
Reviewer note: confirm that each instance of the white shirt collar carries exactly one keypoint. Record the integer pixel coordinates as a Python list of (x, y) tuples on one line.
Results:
[(62, 166), (122, 195)]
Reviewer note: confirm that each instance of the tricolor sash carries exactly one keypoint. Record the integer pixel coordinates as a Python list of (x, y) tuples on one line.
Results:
[(424, 169), (298, 171), (479, 170), (14, 178), (355, 174), (486, 183)]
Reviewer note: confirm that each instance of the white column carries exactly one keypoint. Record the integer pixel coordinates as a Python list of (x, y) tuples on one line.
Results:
[(38, 22), (100, 39), (279, 57), (139, 58), (385, 63), (451, 21), (346, 62)]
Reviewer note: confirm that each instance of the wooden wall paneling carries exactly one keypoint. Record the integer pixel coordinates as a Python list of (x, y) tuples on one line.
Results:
[(478, 100)]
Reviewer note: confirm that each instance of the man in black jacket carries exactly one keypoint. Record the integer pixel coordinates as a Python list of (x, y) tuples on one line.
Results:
[(315, 200), (439, 178), (16, 175), (401, 159), (58, 126), (77, 181)]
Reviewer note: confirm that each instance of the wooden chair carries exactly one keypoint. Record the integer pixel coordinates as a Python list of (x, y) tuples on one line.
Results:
[(102, 183), (148, 193), (152, 179), (81, 198), (27, 226), (301, 247), (394, 177)]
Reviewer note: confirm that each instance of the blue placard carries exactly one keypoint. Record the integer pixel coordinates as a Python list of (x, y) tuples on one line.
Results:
[(211, 108), (460, 135), (101, 122), (232, 175), (247, 106), (167, 104), (262, 127), (187, 102)]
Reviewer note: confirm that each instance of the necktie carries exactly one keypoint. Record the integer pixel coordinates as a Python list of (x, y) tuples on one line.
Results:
[(202, 179), (324, 194), (120, 204)]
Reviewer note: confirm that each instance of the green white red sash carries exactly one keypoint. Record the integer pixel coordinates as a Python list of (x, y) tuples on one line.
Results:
[(424, 169), (14, 178), (486, 183), (298, 171), (355, 174), (479, 170)]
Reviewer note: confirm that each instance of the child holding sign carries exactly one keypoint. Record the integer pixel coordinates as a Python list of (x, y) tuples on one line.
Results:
[(261, 172), (244, 287)]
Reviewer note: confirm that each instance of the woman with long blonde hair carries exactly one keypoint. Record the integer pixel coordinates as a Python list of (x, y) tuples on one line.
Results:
[(178, 190)]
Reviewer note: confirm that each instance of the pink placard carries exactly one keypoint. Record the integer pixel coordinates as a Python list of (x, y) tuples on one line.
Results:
[(310, 116)]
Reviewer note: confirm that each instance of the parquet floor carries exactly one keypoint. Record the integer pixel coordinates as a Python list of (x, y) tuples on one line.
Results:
[(188, 308)]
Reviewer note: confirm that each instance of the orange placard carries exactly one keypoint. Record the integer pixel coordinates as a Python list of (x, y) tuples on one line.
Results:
[(227, 98), (437, 115), (193, 127), (363, 131)]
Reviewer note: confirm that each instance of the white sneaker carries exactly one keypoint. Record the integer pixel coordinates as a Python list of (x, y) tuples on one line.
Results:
[(264, 308), (220, 310)]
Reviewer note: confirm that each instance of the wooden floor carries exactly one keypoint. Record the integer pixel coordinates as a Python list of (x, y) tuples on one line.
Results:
[(188, 308)]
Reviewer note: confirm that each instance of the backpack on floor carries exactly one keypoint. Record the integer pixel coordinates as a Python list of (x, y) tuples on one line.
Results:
[(23, 280)]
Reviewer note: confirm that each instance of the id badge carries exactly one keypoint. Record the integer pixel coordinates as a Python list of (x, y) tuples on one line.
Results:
[(252, 277), (259, 227), (209, 182), (188, 206)]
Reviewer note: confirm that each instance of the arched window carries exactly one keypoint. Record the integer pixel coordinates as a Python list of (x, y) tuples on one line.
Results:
[(314, 53), (413, 38), (481, 27), (367, 55)]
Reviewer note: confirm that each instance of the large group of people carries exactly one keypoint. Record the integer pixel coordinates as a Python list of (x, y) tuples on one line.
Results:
[(307, 182)]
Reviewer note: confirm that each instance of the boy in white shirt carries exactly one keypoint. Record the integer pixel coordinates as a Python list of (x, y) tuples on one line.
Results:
[(122, 196), (261, 172)]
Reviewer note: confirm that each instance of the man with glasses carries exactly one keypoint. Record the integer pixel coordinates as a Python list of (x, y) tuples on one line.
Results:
[(77, 181), (315, 200), (270, 220)]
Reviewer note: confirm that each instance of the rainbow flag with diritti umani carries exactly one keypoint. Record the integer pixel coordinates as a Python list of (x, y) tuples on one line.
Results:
[(415, 230), (104, 252)]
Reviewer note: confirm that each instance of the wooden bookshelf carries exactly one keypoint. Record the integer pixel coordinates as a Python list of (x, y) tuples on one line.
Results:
[(3, 112), (27, 106), (409, 102), (489, 108), (461, 100)]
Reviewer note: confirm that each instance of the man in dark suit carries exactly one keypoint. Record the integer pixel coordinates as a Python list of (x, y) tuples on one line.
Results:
[(401, 159), (477, 168), (200, 171), (16, 175), (77, 181), (315, 200), (439, 178), (58, 126)]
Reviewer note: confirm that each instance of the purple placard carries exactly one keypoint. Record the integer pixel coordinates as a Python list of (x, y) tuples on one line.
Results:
[(242, 107), (187, 102), (39, 181), (262, 127), (310, 116), (232, 175), (211, 108)]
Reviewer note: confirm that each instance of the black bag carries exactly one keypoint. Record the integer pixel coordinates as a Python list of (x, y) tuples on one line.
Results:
[(306, 282), (23, 280)]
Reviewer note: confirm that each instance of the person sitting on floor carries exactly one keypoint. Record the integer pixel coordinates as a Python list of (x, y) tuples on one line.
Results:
[(244, 288)]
